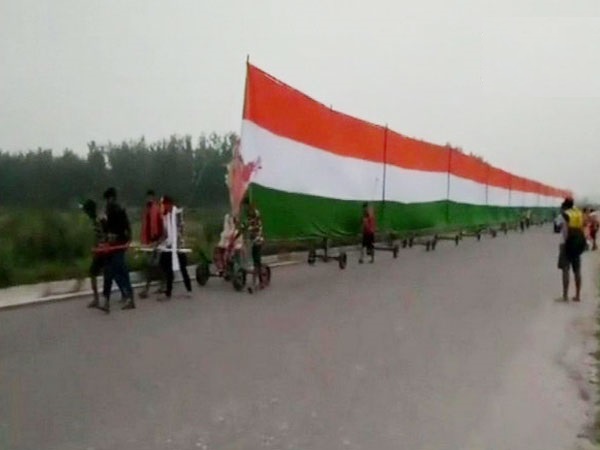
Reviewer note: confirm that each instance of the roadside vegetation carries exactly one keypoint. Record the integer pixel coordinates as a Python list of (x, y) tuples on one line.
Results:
[(43, 234)]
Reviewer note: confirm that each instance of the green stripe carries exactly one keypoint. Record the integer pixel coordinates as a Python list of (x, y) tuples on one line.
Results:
[(290, 216)]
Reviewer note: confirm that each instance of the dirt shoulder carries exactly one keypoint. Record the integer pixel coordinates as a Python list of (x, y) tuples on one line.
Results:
[(547, 399)]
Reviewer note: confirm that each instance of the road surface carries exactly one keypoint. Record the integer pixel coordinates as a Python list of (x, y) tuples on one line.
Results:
[(461, 348)]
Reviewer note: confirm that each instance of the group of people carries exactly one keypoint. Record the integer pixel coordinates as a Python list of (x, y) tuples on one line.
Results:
[(162, 231), (578, 230), (162, 234), (162, 237)]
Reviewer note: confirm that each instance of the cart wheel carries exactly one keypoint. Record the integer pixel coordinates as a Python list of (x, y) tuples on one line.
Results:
[(395, 251), (343, 260), (239, 279), (312, 256), (202, 273), (265, 275), (456, 239)]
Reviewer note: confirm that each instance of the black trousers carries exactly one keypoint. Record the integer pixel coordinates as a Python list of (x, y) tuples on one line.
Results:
[(167, 267), (116, 269)]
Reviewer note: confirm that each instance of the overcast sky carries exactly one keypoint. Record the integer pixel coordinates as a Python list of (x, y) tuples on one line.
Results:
[(516, 81)]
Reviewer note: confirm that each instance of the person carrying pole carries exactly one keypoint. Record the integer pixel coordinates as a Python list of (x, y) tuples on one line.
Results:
[(151, 234), (98, 258), (172, 258), (118, 233)]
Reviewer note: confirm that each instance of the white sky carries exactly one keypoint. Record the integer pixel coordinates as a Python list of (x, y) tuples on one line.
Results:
[(516, 81)]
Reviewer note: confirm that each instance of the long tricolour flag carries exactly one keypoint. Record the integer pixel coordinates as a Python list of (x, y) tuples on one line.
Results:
[(318, 166)]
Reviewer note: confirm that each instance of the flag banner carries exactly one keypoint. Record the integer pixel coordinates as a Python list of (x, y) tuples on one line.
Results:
[(238, 178), (318, 166)]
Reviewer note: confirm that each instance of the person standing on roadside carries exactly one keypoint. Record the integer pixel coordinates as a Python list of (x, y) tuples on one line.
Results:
[(573, 244), (118, 233)]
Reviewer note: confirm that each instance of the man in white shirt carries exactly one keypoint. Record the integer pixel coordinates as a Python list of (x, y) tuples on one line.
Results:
[(171, 258)]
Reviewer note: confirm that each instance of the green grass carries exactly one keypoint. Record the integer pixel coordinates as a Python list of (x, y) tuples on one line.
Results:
[(47, 245)]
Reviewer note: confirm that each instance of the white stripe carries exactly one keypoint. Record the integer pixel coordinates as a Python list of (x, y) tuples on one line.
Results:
[(498, 196), (291, 166)]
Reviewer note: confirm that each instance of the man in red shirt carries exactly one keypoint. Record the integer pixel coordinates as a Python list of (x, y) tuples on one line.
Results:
[(152, 223), (152, 233), (368, 233)]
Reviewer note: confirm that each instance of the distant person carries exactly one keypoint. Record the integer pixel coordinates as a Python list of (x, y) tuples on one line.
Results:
[(528, 218), (573, 244), (151, 234), (368, 234), (118, 233), (171, 245)]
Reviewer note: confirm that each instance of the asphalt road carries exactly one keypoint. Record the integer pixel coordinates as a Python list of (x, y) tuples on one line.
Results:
[(453, 349)]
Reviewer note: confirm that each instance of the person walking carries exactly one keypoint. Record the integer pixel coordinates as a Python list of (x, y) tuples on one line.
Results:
[(368, 234), (118, 231), (98, 259), (152, 231), (172, 259), (253, 228)]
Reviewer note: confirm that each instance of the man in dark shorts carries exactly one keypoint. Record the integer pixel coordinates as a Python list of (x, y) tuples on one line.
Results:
[(368, 234), (573, 244)]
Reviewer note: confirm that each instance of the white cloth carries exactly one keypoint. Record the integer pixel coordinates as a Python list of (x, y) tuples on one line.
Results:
[(228, 235), (228, 231), (171, 240)]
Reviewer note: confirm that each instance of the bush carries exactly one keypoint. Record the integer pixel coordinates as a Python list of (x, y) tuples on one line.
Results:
[(6, 263)]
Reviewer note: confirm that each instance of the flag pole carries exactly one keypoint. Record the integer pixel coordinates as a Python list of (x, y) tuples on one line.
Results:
[(244, 111), (385, 139), (448, 186), (244, 106)]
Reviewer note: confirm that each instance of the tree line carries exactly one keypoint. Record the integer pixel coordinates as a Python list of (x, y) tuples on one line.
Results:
[(193, 173)]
